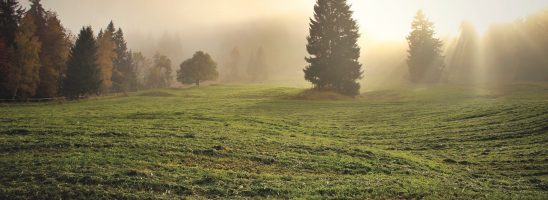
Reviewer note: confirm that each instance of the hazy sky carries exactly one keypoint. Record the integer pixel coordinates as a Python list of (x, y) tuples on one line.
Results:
[(379, 19)]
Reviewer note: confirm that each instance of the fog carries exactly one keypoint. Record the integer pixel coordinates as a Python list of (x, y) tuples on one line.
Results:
[(178, 28)]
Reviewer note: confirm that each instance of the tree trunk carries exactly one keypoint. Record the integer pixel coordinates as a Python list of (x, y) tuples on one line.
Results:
[(198, 83)]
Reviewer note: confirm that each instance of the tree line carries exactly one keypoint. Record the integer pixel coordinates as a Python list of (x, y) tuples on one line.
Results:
[(511, 52), (40, 59)]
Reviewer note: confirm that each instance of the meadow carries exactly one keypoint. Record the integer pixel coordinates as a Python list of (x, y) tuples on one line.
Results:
[(268, 141)]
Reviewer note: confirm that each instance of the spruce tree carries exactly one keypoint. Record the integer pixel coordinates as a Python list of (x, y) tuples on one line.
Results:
[(83, 76), (332, 45), (121, 73), (424, 60), (10, 15)]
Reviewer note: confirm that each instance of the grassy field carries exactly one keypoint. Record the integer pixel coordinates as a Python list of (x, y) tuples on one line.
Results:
[(274, 142)]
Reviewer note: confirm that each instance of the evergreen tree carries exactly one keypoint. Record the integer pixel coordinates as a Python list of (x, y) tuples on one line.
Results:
[(424, 60), (111, 29), (53, 56), (39, 15), (122, 71), (106, 55), (10, 15), (25, 73), (333, 49), (83, 76), (200, 67)]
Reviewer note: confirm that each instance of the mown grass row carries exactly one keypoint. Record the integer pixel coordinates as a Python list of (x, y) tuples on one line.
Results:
[(270, 142)]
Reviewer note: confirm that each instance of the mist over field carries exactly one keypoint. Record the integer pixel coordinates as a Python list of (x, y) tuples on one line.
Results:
[(179, 28), (273, 99)]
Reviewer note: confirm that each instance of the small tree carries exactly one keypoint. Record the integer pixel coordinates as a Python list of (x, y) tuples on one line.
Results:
[(159, 75), (83, 76), (141, 64), (200, 67), (424, 60)]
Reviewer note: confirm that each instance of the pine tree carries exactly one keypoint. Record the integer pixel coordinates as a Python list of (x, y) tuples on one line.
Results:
[(106, 55), (10, 15), (199, 68), (83, 76), (333, 49), (25, 72), (53, 56), (424, 60)]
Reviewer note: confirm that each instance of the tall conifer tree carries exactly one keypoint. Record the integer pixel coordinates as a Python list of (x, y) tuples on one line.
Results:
[(425, 58), (11, 13), (10, 16), (332, 45), (83, 76)]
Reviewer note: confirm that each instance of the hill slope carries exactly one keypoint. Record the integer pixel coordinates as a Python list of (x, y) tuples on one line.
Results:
[(266, 141)]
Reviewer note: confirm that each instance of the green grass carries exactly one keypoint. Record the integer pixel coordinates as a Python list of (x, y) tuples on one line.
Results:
[(269, 142)]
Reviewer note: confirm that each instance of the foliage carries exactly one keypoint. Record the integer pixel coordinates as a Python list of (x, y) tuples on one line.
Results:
[(53, 56), (11, 13), (199, 68), (123, 75), (83, 76), (159, 76), (333, 49), (424, 60), (4, 68), (106, 55), (141, 65), (25, 73)]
